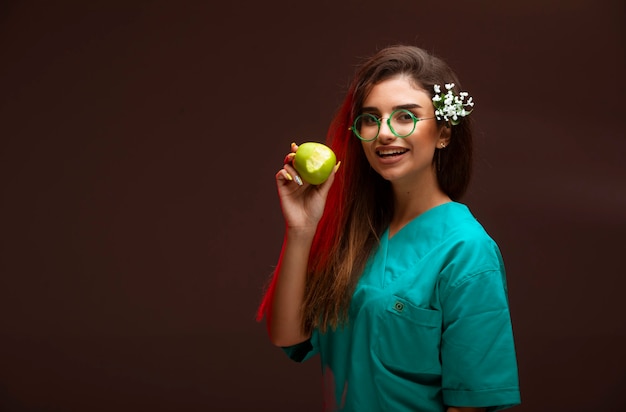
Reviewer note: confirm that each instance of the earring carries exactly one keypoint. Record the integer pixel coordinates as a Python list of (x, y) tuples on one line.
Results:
[(443, 145)]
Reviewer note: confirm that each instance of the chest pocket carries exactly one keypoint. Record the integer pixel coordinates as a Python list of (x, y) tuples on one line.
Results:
[(408, 338)]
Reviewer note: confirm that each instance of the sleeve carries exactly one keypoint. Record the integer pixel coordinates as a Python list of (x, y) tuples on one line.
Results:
[(303, 351), (479, 365)]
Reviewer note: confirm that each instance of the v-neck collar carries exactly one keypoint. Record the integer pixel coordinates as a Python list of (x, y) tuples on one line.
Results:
[(418, 220), (408, 245)]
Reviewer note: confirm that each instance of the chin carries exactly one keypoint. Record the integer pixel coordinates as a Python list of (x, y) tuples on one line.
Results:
[(390, 176)]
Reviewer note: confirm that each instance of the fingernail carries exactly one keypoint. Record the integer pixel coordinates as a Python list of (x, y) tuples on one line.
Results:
[(298, 180), (337, 166), (288, 176)]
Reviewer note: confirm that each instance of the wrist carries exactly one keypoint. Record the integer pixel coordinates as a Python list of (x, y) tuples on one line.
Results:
[(301, 232)]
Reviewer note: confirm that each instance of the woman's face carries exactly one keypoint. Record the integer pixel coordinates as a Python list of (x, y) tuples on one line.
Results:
[(409, 159)]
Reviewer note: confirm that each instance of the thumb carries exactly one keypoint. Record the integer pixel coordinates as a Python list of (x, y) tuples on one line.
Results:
[(325, 187)]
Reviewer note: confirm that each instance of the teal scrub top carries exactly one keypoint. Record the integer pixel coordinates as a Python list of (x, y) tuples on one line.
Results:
[(429, 324)]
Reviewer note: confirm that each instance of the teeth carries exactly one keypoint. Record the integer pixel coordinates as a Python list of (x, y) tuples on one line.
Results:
[(391, 152)]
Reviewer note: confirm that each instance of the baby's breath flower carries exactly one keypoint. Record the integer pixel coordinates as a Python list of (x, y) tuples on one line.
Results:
[(449, 106)]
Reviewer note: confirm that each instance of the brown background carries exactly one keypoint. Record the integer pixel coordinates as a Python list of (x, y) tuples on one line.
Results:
[(139, 219)]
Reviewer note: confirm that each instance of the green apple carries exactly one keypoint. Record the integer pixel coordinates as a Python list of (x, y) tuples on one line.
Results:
[(314, 162)]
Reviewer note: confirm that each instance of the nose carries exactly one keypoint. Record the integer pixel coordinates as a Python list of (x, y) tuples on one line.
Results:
[(384, 133)]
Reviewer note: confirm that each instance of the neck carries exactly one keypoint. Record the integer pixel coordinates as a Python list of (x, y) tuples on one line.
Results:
[(412, 200)]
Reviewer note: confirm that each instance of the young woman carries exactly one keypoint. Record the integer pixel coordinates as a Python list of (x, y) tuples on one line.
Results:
[(382, 271)]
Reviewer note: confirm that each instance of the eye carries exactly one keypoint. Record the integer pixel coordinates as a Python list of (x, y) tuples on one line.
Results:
[(368, 119), (404, 116)]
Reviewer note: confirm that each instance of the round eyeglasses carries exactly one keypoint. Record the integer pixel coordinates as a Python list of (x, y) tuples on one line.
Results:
[(401, 123)]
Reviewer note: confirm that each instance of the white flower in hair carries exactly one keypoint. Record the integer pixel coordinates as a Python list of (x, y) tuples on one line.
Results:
[(449, 106)]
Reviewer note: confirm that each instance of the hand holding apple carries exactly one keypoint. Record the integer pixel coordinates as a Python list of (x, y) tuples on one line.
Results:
[(314, 162)]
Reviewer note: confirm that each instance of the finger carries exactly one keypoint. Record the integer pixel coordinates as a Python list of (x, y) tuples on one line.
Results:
[(336, 167), (325, 187), (289, 158), (294, 174), (284, 175), (294, 147)]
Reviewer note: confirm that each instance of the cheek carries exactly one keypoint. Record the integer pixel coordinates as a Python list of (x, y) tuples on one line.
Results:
[(430, 135)]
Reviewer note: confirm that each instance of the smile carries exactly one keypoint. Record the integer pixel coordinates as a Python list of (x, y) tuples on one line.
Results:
[(390, 152)]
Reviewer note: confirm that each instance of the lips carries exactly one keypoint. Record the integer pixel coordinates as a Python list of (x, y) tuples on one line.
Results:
[(390, 152)]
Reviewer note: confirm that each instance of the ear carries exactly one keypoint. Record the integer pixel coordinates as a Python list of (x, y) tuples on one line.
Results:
[(445, 133)]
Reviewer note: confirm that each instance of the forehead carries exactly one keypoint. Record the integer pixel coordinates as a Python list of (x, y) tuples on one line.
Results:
[(395, 91)]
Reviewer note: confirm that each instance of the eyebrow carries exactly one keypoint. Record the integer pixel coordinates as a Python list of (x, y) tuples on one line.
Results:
[(401, 106)]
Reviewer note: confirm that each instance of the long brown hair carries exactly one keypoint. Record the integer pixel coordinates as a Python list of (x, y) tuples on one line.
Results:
[(360, 203)]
